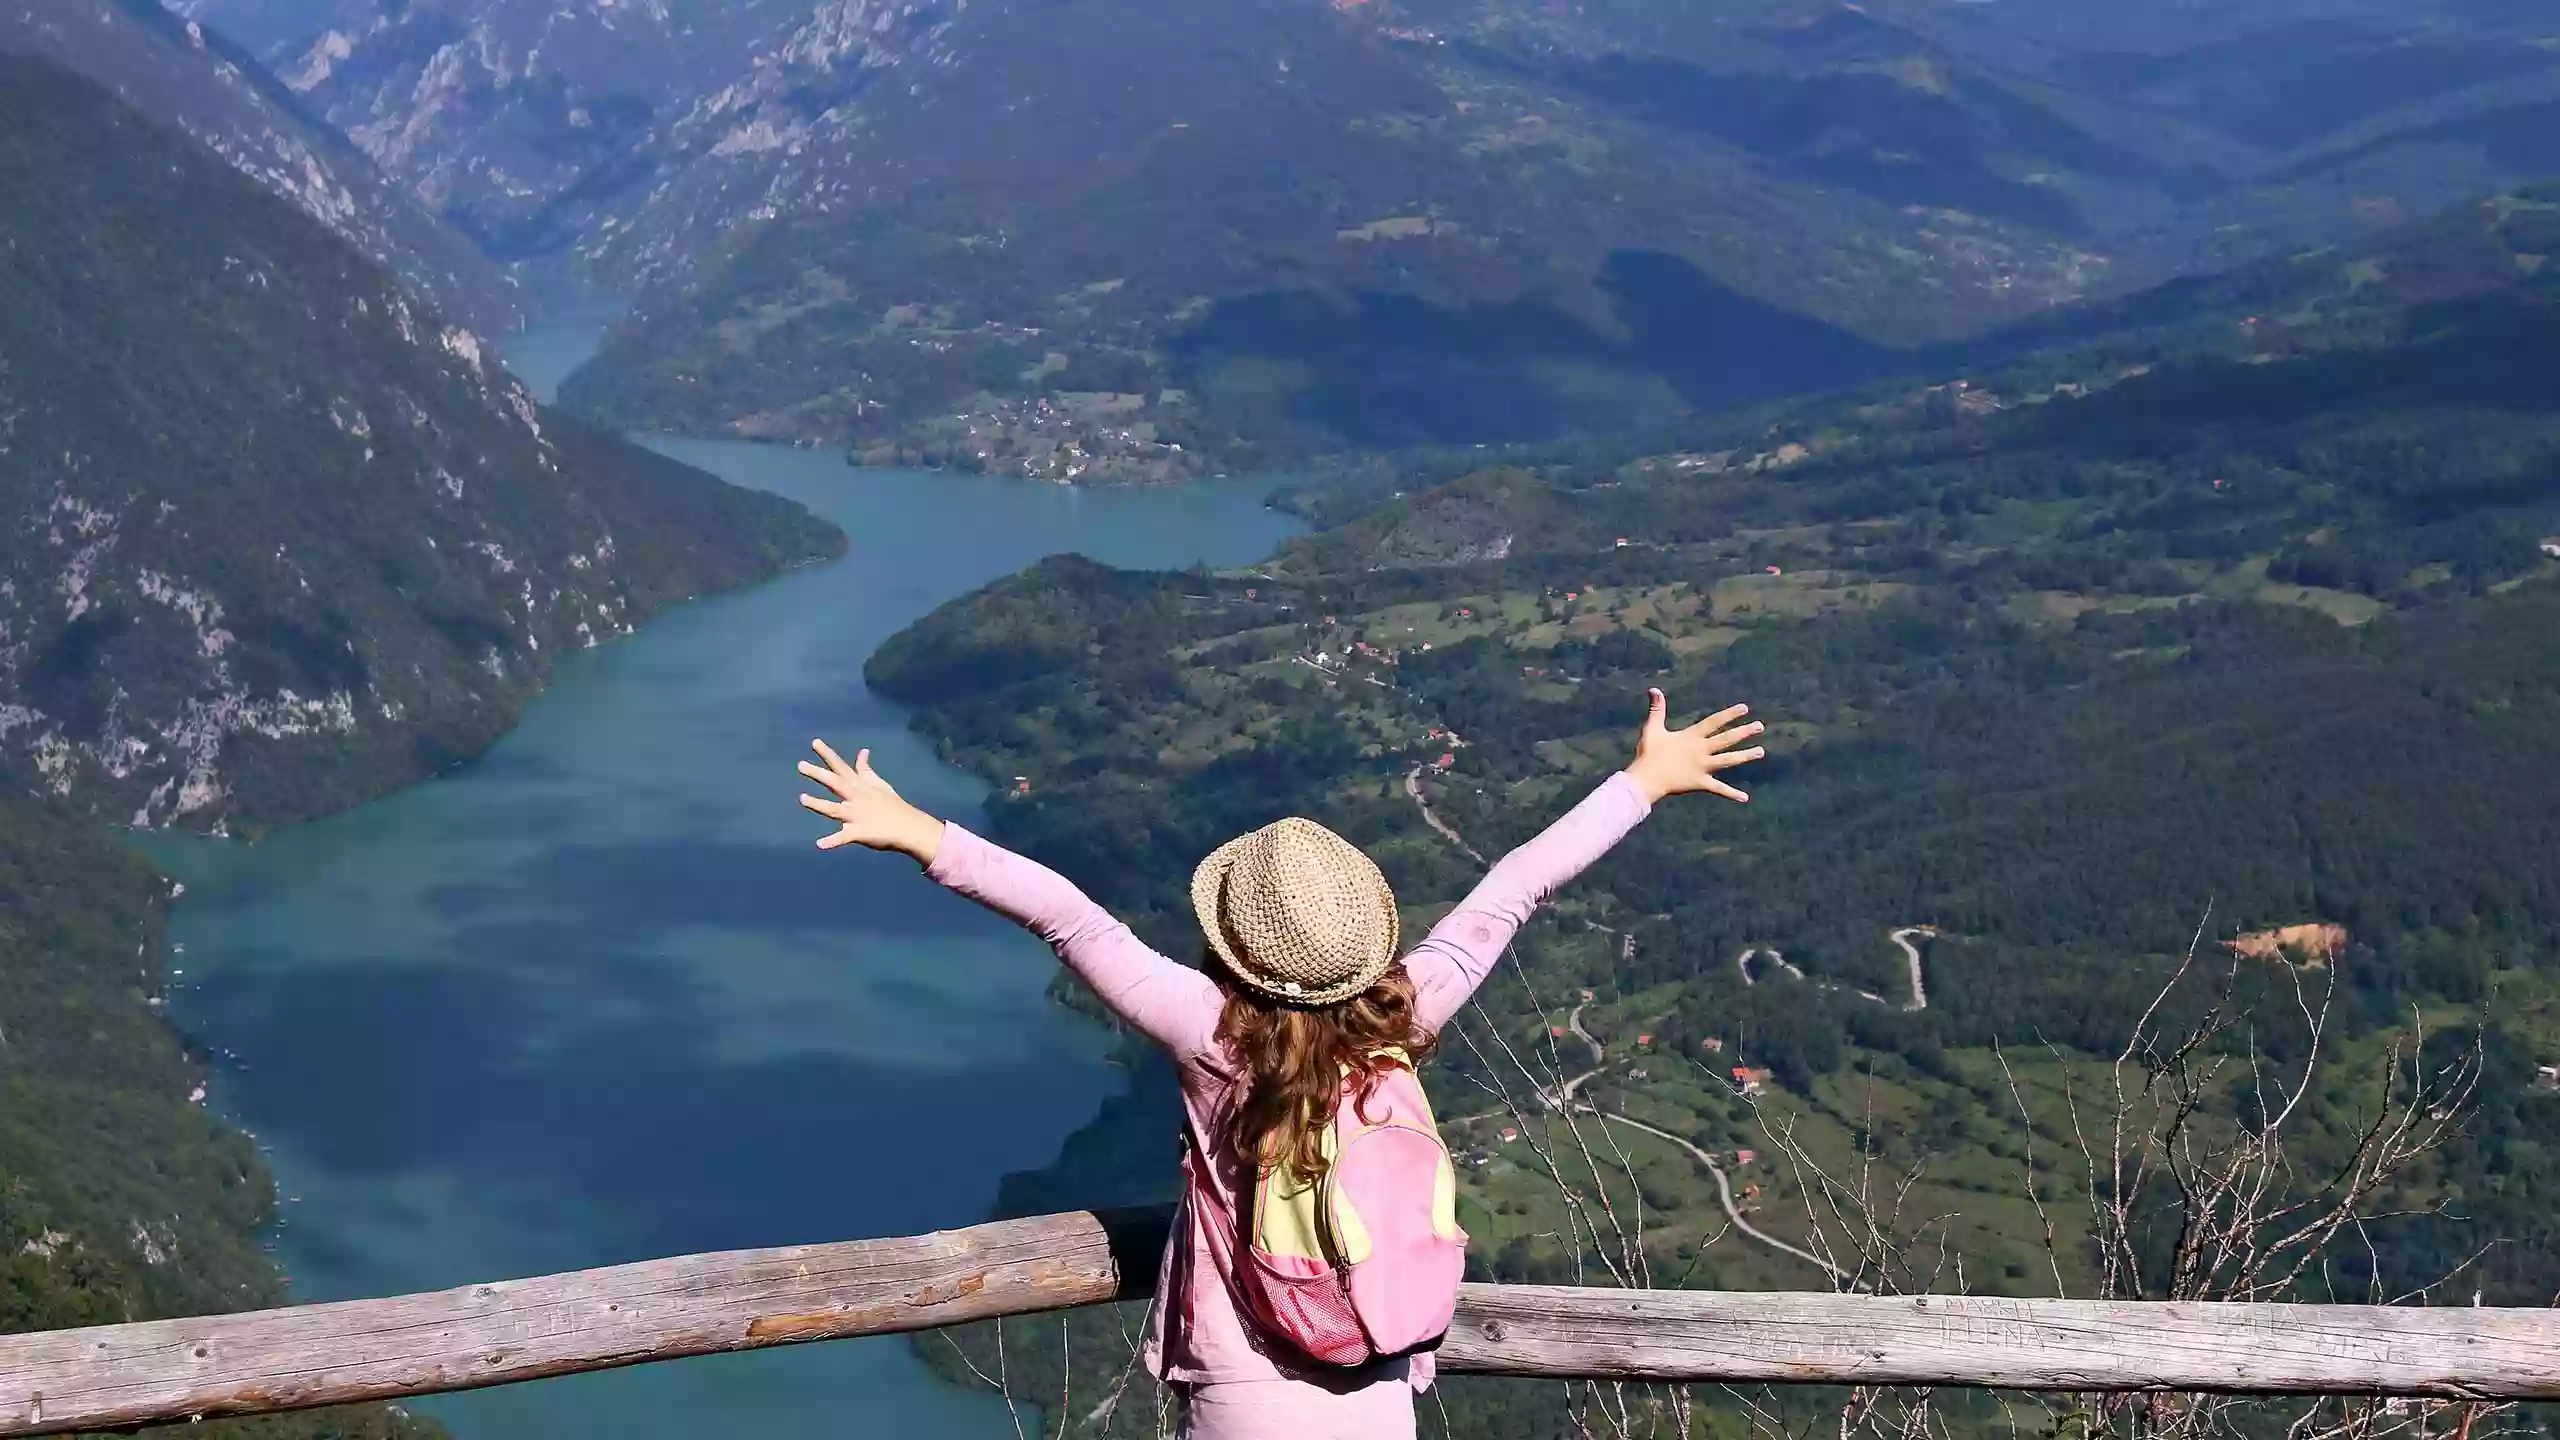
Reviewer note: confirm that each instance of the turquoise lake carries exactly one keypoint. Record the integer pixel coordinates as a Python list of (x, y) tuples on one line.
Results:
[(596, 997)]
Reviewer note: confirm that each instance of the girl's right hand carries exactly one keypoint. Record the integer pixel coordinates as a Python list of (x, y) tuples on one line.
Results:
[(1676, 762), (866, 810)]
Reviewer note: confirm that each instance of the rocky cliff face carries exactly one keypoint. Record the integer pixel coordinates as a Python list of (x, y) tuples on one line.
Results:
[(279, 537), (628, 134), (190, 78)]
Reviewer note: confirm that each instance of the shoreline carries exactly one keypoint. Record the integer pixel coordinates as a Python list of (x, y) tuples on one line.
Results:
[(391, 1222)]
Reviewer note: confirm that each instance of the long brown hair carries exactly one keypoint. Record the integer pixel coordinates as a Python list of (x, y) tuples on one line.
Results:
[(1295, 1061)]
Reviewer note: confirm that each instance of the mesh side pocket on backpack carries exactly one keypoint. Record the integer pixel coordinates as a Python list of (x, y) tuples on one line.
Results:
[(1304, 1302)]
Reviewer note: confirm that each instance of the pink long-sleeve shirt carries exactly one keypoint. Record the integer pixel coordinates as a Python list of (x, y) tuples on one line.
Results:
[(1195, 1334)]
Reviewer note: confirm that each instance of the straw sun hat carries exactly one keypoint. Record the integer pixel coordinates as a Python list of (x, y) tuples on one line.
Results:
[(1297, 913)]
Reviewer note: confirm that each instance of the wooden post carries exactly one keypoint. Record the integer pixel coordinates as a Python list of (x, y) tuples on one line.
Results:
[(506, 1331)]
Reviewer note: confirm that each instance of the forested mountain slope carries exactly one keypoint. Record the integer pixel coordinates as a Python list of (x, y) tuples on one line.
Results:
[(280, 538), (2182, 634), (192, 79), (1269, 229), (1134, 240), (615, 141), (2422, 313), (120, 1198), (283, 538)]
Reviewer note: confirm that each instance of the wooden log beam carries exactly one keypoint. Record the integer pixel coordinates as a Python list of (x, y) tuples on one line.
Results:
[(1948, 1340), (507, 1331), (510, 1330)]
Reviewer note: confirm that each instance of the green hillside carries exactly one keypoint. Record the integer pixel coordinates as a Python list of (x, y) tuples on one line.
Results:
[(120, 1198), (2183, 632), (282, 538)]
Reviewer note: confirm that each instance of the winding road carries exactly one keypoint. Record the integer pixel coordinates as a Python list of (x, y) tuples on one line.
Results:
[(1911, 952), (1413, 787), (1563, 1094), (1562, 1098), (1919, 1000), (1724, 1196), (1742, 962)]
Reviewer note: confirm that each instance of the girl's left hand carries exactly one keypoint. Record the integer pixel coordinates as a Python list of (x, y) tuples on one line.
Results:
[(866, 810), (1680, 762)]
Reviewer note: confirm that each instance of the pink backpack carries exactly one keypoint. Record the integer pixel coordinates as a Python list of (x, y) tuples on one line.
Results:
[(1365, 1263)]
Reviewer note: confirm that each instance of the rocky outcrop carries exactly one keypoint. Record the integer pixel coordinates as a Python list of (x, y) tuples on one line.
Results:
[(189, 78), (277, 536), (624, 133)]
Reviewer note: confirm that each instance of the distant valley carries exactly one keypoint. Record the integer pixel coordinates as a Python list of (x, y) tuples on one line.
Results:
[(1129, 240)]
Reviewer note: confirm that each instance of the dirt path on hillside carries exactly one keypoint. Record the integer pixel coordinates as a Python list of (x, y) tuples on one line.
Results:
[(1911, 952), (1562, 1096), (1919, 1000), (1413, 788), (1724, 1196), (1742, 963)]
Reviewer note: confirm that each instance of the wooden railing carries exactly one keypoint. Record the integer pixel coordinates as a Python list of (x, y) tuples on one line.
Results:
[(511, 1330)]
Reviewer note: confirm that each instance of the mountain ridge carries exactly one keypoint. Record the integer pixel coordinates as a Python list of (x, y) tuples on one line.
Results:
[(286, 539), (1132, 240), (195, 81)]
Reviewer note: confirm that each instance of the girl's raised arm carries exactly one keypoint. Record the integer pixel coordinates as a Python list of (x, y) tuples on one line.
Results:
[(1174, 1005), (1461, 950)]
